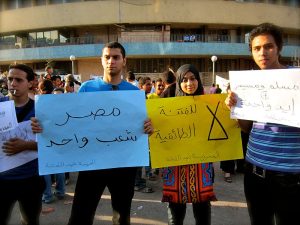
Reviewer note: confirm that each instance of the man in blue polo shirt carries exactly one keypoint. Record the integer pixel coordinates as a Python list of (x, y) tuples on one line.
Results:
[(119, 181), (21, 183), (272, 178)]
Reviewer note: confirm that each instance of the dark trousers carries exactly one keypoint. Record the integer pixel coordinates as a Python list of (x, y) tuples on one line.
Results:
[(274, 198), (240, 163), (89, 188), (229, 165), (201, 211), (28, 192)]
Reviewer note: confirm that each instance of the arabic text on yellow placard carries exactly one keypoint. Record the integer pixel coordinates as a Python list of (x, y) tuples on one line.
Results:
[(192, 129)]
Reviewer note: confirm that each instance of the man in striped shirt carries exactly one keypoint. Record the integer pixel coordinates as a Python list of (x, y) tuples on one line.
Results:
[(272, 178)]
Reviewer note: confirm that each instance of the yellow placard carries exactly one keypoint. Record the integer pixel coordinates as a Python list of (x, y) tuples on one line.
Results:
[(192, 129)]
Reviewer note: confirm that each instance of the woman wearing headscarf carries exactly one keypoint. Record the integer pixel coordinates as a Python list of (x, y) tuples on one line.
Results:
[(188, 183)]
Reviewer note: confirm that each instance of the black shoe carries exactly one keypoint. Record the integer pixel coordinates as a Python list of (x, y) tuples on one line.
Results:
[(139, 187), (59, 197)]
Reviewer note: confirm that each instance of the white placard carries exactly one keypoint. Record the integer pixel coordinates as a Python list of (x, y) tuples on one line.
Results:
[(8, 119), (267, 95), (222, 82), (23, 131)]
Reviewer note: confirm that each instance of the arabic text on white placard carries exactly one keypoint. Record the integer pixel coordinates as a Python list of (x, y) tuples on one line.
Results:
[(267, 95), (8, 119), (23, 131)]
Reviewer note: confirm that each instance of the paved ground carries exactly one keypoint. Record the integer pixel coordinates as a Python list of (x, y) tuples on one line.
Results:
[(147, 209)]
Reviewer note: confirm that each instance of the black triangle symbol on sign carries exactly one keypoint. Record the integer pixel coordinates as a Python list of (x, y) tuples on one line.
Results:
[(214, 125)]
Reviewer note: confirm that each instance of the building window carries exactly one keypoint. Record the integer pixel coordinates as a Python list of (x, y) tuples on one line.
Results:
[(215, 35), (62, 39), (55, 1), (67, 1), (12, 4), (44, 38), (24, 3), (40, 2), (7, 41), (32, 39)]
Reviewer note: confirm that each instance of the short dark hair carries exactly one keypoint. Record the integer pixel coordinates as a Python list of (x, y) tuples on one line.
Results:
[(71, 83), (130, 75), (47, 86), (168, 77), (48, 67), (143, 80), (115, 45), (53, 78), (159, 80), (28, 70), (270, 29)]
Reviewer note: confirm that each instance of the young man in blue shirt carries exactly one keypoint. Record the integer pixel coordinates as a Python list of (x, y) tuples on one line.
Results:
[(120, 181), (21, 183)]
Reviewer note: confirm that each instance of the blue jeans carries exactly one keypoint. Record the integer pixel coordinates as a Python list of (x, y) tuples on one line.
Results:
[(139, 181), (59, 188), (202, 213)]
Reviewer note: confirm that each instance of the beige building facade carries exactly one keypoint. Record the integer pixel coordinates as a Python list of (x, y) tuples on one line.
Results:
[(157, 34)]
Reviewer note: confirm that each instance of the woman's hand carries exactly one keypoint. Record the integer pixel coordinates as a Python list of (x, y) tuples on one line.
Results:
[(35, 126), (148, 128)]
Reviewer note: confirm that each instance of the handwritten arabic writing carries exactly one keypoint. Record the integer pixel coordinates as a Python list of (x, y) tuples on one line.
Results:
[(193, 156), (2, 114), (272, 86), (65, 141), (100, 112), (267, 95), (120, 138), (8, 119), (21, 132), (6, 127), (85, 140), (191, 109), (284, 107), (103, 125), (201, 131), (177, 134), (263, 99), (72, 164)]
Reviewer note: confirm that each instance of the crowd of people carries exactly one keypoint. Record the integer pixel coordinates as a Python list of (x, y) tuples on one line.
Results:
[(272, 154)]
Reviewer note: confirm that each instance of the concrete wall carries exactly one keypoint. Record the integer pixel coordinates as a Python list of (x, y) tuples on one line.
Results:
[(215, 12), (88, 67)]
